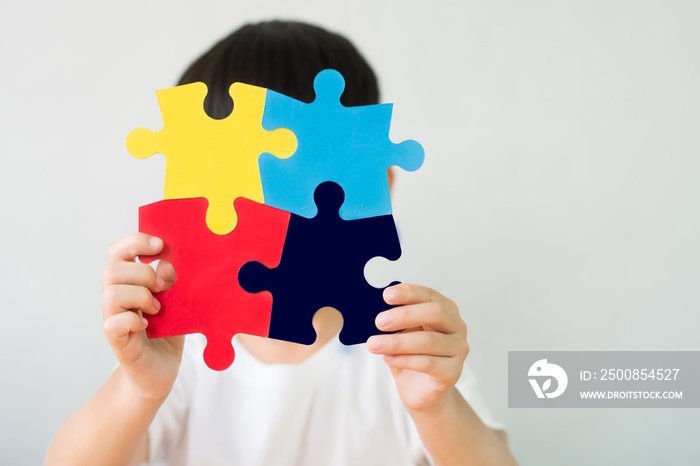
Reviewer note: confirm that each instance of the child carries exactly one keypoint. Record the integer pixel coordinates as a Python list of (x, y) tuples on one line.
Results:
[(400, 400)]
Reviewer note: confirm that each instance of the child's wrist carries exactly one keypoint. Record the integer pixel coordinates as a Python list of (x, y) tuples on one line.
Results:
[(133, 392), (436, 411)]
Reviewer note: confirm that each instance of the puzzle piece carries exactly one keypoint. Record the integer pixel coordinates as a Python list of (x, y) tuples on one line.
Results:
[(322, 265), (347, 145), (206, 297), (215, 159)]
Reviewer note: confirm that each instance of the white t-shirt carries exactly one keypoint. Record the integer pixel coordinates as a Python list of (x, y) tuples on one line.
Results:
[(339, 407)]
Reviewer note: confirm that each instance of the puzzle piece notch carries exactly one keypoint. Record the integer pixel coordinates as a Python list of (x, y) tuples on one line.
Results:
[(346, 145), (206, 297), (329, 85), (322, 264), (215, 159)]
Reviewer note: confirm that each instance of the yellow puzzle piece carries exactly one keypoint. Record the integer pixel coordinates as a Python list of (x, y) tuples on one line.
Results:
[(216, 159)]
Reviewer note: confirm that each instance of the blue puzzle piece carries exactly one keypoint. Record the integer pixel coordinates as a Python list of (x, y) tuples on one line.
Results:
[(322, 264), (347, 145)]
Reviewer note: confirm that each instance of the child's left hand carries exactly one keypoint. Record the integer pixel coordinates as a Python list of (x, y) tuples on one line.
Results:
[(426, 358)]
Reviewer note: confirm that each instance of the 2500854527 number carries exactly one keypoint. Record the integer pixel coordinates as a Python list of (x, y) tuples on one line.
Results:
[(639, 374)]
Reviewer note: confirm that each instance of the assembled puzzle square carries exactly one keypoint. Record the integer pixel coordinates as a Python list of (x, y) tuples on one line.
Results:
[(271, 213)]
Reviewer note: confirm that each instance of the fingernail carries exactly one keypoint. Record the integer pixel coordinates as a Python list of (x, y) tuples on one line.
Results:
[(154, 241), (383, 319), (145, 322), (376, 343), (156, 304), (159, 283), (392, 294)]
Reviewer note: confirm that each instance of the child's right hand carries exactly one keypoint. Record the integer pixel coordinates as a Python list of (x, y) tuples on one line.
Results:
[(127, 288)]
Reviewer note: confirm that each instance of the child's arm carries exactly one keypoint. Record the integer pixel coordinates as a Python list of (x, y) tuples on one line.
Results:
[(111, 427), (426, 361)]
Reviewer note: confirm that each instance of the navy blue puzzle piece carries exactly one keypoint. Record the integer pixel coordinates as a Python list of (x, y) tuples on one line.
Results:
[(322, 264)]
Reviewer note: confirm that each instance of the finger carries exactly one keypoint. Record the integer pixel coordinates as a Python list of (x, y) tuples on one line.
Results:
[(409, 293), (136, 244), (439, 367), (117, 299), (166, 271), (131, 273), (428, 314), (427, 343), (119, 328)]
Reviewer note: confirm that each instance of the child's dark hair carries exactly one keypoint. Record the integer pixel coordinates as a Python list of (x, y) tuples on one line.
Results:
[(284, 56)]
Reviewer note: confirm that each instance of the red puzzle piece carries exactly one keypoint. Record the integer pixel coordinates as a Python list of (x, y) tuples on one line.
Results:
[(206, 297)]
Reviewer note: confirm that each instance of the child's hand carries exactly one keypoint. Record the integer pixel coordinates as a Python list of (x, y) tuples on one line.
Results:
[(127, 291), (426, 358)]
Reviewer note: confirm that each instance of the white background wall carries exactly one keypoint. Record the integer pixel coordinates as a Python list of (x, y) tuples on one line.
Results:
[(558, 204)]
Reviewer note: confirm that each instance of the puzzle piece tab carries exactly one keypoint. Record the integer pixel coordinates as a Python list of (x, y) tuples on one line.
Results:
[(323, 265), (215, 159), (206, 297), (347, 145)]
